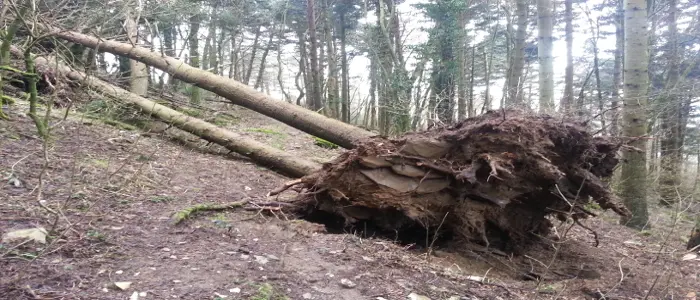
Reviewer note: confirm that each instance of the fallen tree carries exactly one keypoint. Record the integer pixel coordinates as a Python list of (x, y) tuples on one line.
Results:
[(258, 152), (494, 179), (332, 130)]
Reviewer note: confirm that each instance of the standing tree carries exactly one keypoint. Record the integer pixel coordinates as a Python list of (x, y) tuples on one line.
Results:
[(544, 55), (315, 94), (517, 65), (138, 83), (569, 76), (636, 81)]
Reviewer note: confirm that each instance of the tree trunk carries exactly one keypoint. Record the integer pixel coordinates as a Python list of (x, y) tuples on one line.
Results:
[(569, 76), (544, 55), (617, 68), (331, 130), (195, 19), (261, 70), (671, 139), (253, 51), (694, 240), (276, 159), (315, 94), (516, 80), (345, 97), (462, 64), (470, 106), (333, 90), (138, 83), (633, 172)]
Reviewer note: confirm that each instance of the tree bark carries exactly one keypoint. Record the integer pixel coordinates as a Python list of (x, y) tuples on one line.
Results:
[(138, 79), (256, 40), (333, 90), (544, 55), (261, 70), (462, 62), (331, 130), (569, 72), (671, 139), (195, 19), (516, 80), (633, 172), (286, 163), (315, 94), (617, 72), (345, 97)]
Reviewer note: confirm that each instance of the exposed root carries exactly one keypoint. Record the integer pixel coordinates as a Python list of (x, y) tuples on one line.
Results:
[(499, 178)]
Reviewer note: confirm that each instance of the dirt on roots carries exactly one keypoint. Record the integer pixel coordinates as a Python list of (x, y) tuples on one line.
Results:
[(494, 179)]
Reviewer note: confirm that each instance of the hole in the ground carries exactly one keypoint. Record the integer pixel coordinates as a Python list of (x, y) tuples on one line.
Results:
[(404, 231)]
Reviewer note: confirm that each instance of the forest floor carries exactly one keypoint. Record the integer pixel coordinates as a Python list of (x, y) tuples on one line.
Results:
[(117, 190)]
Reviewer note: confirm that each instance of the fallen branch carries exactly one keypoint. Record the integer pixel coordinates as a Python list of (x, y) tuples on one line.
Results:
[(337, 132), (279, 160)]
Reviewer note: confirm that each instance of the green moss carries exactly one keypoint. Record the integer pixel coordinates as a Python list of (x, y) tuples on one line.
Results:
[(267, 292), (266, 131), (324, 144)]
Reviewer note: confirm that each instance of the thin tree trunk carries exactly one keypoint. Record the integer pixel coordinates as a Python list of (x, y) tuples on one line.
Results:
[(195, 19), (331, 130), (253, 51), (333, 90), (315, 94), (470, 107), (462, 62), (544, 55), (633, 172), (569, 72), (261, 70), (617, 68), (345, 97), (138, 83), (516, 81), (303, 58), (671, 138)]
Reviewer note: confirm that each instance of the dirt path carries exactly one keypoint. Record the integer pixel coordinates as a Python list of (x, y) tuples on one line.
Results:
[(118, 190)]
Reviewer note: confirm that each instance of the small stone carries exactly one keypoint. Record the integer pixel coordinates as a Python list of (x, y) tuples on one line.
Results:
[(143, 294), (123, 285), (307, 296), (261, 259), (235, 290), (165, 249), (367, 258), (245, 256), (173, 256), (177, 281), (119, 272), (346, 283)]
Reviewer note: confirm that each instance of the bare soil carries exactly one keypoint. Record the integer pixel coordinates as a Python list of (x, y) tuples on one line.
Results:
[(114, 192)]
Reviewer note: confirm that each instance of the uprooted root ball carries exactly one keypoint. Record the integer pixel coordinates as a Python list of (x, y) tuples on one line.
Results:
[(492, 179)]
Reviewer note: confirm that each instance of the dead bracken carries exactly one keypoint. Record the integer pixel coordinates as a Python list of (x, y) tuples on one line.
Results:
[(494, 179)]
